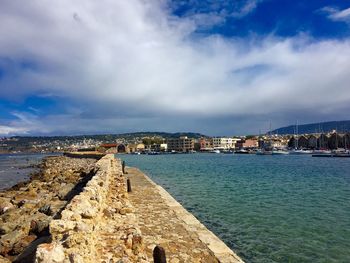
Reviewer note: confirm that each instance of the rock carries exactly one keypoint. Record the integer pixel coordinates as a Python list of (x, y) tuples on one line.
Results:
[(4, 260), (64, 191), (46, 209), (39, 226), (52, 253), (28, 255), (7, 241), (124, 260), (125, 210), (137, 243), (61, 226), (83, 227), (128, 242), (107, 213), (75, 258), (22, 244), (4, 229), (5, 205), (174, 260), (85, 208)]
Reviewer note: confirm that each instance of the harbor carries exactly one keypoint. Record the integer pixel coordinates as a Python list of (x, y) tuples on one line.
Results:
[(284, 208)]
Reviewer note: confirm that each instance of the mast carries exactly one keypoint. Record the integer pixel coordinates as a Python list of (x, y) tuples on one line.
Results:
[(296, 140), (336, 139)]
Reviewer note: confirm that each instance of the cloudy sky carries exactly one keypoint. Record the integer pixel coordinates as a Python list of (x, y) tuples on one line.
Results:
[(215, 67)]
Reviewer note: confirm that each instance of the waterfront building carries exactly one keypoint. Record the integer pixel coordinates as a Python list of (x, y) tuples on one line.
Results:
[(247, 143), (224, 143), (136, 147), (182, 144), (300, 142), (159, 147), (205, 144), (336, 141)]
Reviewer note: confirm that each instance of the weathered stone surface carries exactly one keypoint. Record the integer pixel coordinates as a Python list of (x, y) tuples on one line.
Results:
[(28, 255), (5, 205), (27, 208), (50, 253), (91, 228), (46, 209), (165, 222), (64, 191), (20, 245)]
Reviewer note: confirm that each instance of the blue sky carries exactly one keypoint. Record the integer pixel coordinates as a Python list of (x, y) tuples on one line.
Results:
[(283, 18), (215, 67)]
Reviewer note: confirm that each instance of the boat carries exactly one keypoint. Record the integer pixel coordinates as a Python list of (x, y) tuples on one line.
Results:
[(296, 151), (264, 152), (153, 153), (242, 151), (227, 152), (215, 151), (322, 153), (279, 152)]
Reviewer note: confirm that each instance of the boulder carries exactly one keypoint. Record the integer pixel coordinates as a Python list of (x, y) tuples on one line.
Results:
[(52, 253), (63, 193)]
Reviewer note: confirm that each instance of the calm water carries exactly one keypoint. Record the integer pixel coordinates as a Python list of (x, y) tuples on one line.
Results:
[(16, 168), (266, 208)]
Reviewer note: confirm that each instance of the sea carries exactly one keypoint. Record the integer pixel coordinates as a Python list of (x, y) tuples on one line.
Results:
[(15, 168), (292, 208)]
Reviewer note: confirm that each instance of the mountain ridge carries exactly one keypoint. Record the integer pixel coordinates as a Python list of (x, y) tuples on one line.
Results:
[(323, 127)]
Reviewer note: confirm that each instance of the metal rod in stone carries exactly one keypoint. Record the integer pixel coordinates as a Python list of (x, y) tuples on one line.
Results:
[(159, 255), (123, 167), (128, 183)]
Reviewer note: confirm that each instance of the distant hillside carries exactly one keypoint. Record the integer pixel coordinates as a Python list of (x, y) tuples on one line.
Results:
[(110, 137), (340, 126)]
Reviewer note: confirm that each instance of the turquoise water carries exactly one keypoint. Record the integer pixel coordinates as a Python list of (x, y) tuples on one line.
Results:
[(266, 208)]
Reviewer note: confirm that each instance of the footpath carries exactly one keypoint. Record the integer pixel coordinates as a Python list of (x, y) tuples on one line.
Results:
[(163, 221)]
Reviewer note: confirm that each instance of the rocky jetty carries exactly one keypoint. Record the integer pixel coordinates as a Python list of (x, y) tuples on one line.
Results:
[(98, 225), (27, 208), (79, 211)]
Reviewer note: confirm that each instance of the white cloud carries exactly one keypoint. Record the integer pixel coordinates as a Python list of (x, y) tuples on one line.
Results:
[(8, 130), (136, 56), (336, 14), (248, 7)]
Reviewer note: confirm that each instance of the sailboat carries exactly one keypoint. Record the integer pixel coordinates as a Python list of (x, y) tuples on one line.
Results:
[(296, 149)]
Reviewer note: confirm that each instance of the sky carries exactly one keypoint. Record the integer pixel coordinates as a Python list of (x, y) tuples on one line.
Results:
[(209, 66)]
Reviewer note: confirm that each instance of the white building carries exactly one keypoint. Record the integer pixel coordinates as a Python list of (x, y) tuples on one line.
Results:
[(224, 142)]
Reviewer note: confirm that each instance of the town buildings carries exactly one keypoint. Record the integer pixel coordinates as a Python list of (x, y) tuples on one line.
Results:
[(247, 144), (224, 143), (182, 144)]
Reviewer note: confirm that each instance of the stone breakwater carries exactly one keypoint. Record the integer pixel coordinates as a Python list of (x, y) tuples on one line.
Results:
[(96, 220), (27, 208), (98, 224)]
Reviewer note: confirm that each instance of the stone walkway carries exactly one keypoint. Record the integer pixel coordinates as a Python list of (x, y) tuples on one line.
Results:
[(117, 236), (164, 222)]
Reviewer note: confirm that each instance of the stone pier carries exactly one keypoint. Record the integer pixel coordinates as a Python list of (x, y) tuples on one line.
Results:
[(104, 223), (165, 222)]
